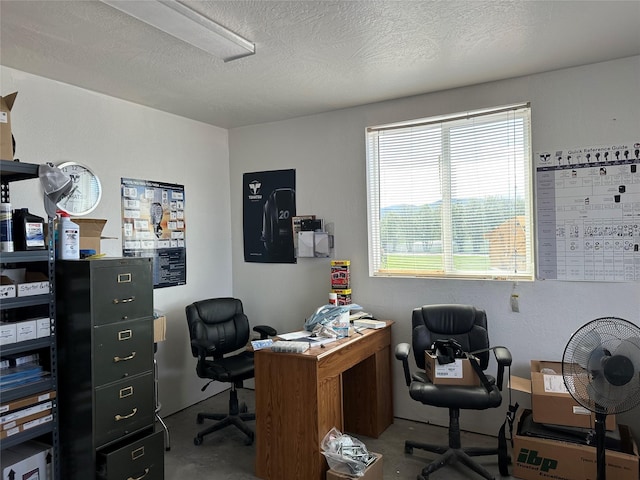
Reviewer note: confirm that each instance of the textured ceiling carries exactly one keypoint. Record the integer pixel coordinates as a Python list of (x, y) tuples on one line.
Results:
[(311, 56)]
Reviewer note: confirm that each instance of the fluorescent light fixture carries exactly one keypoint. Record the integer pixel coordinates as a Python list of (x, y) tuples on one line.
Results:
[(179, 20)]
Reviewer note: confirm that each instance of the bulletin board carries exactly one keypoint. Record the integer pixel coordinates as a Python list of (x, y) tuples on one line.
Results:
[(154, 225), (588, 213)]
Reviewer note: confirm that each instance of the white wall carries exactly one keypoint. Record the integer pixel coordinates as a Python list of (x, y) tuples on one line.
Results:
[(591, 105), (55, 122)]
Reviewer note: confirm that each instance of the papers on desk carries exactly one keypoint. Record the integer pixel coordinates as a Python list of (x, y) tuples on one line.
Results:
[(304, 336)]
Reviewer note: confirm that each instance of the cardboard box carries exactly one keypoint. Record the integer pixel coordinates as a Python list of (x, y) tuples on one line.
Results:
[(33, 288), (460, 372), (26, 330), (90, 232), (6, 141), (373, 471), (27, 401), (45, 418), (29, 460), (160, 329), (552, 403), (539, 458), (8, 332), (43, 327), (25, 415), (7, 287)]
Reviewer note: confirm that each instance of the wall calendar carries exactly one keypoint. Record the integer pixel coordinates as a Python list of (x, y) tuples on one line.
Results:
[(588, 213)]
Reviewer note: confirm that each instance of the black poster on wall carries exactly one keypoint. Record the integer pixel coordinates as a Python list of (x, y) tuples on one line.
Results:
[(269, 204)]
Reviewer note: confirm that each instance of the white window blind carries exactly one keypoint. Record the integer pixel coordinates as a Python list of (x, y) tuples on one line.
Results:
[(452, 196)]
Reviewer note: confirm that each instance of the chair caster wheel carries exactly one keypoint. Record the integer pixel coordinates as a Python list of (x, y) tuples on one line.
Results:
[(197, 441), (243, 408), (249, 441), (408, 450), (199, 420)]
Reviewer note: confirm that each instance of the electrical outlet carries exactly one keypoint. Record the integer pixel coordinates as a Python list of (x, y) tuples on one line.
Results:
[(515, 306)]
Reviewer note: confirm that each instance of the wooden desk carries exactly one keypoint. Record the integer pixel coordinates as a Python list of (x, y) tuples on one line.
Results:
[(300, 397)]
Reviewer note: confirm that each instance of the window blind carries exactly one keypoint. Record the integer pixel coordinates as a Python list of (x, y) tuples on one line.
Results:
[(452, 196)]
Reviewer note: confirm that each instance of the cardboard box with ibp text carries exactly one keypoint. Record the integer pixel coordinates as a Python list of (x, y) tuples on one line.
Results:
[(536, 458)]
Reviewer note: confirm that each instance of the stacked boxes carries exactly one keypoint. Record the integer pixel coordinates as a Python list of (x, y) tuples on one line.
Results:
[(541, 446), (341, 280)]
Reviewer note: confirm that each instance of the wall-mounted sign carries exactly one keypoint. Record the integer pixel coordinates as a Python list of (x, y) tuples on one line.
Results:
[(153, 225), (269, 206)]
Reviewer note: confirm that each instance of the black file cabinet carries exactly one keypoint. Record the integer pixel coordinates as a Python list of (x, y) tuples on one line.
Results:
[(106, 379)]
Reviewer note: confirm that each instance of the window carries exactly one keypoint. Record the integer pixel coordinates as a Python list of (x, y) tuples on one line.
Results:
[(452, 196)]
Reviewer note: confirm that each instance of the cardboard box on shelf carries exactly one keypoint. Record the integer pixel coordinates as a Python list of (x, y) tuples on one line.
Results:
[(33, 288), (43, 327), (27, 401), (537, 458), (552, 403), (26, 330), (8, 333), (6, 141), (30, 459), (90, 232), (372, 472), (45, 418), (7, 287), (460, 372)]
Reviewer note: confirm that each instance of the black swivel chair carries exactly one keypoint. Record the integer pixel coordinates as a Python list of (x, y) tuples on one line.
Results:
[(468, 326), (218, 327)]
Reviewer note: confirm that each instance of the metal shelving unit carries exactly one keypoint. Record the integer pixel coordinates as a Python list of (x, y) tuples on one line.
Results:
[(11, 172)]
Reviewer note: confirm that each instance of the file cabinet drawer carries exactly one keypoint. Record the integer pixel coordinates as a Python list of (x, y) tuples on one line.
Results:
[(122, 350), (123, 408), (121, 292), (140, 459)]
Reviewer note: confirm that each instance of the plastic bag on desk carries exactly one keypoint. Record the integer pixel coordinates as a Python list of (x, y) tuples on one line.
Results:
[(345, 454), (325, 315)]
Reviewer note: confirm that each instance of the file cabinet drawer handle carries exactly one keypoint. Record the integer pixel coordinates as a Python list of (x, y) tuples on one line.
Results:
[(116, 301), (124, 417), (124, 359), (146, 472)]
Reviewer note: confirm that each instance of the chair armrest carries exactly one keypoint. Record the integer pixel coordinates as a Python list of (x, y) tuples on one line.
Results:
[(503, 357), (402, 354), (265, 331), (204, 349)]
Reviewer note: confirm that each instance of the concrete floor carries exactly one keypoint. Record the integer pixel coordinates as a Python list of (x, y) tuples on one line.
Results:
[(223, 454)]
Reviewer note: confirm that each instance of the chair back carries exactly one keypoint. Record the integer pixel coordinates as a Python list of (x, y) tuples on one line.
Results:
[(464, 323), (220, 322)]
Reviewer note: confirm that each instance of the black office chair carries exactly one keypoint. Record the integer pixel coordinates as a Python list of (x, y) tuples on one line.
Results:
[(218, 327), (468, 326)]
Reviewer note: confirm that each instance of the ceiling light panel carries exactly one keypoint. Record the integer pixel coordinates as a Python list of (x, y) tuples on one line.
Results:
[(182, 22)]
